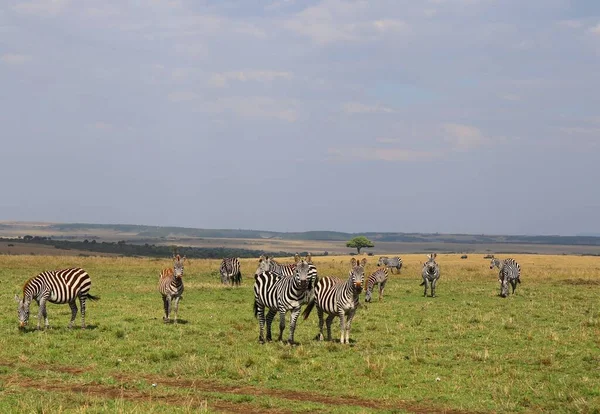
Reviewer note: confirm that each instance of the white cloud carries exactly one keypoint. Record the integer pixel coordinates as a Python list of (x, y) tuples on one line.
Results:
[(510, 97), (222, 79), (595, 29), (571, 24), (463, 137), (359, 108), (381, 154), (255, 107), (15, 59), (41, 7), (182, 96), (388, 25)]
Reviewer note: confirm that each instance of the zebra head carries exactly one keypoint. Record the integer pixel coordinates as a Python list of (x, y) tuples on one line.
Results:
[(301, 273), (264, 265), (357, 273), (494, 263), (382, 261), (430, 264), (23, 311), (178, 266)]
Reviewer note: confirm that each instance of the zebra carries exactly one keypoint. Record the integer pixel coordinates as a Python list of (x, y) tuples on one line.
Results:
[(55, 286), (430, 273), (231, 271), (338, 297), (170, 286), (266, 263), (380, 277), (392, 263), (510, 273), (280, 294)]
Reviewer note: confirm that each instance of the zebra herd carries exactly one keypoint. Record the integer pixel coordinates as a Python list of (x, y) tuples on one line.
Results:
[(280, 288)]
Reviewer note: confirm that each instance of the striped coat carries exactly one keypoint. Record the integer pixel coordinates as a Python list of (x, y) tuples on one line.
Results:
[(280, 294), (231, 271), (430, 274), (510, 274), (170, 286), (379, 277), (338, 297), (55, 286)]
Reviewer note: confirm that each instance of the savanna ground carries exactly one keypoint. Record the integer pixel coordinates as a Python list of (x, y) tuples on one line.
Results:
[(466, 350)]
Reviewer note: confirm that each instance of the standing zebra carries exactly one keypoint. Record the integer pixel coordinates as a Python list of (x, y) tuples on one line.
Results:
[(280, 294), (55, 286), (392, 263), (430, 273), (380, 277), (170, 286), (230, 271), (337, 297), (266, 263), (510, 273)]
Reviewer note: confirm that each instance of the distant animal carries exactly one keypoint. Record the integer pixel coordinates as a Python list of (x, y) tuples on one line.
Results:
[(338, 297), (510, 274), (488, 256), (231, 271), (55, 286), (280, 294), (464, 256), (391, 262), (379, 277), (430, 274), (170, 286)]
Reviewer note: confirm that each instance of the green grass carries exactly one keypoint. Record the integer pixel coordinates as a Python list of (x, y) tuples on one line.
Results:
[(536, 351)]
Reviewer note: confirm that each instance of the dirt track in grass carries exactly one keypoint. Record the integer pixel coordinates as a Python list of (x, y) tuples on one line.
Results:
[(203, 393)]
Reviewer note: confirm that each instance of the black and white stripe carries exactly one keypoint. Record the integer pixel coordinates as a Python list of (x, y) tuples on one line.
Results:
[(510, 273), (338, 297), (430, 273), (170, 286), (55, 286), (391, 262), (268, 264), (379, 277), (280, 294), (231, 271)]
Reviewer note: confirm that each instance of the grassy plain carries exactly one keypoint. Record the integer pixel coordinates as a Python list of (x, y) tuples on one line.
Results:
[(467, 350)]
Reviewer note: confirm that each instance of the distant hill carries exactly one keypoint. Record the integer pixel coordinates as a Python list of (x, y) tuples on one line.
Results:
[(143, 234)]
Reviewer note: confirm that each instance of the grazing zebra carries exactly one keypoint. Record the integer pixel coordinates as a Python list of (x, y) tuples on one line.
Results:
[(391, 262), (280, 294), (55, 286), (510, 273), (230, 271), (380, 277), (430, 273), (338, 297), (170, 286)]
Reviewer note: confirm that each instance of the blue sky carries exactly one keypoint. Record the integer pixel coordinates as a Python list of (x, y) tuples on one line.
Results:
[(471, 116)]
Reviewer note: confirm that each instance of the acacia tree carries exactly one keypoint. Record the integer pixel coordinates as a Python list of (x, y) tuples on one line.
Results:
[(359, 242)]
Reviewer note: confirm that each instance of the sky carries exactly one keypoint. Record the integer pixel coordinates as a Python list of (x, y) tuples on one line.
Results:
[(449, 116)]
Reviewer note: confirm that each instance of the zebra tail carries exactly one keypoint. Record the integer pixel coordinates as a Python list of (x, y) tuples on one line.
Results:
[(92, 297), (422, 283), (308, 308)]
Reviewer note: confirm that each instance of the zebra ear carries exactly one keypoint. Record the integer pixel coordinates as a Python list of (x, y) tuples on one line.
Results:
[(309, 258), (296, 258), (363, 262), (353, 262)]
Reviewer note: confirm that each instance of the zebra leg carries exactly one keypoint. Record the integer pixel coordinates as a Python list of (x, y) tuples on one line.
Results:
[(281, 324), (342, 316), (260, 312), (381, 289), (73, 307), (349, 324), (433, 283), (514, 285), (42, 314), (320, 334), (328, 323), (82, 302), (425, 282), (167, 304), (176, 307), (293, 318), (270, 316)]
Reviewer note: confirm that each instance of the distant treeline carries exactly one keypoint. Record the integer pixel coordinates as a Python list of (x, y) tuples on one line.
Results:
[(158, 232), (150, 250)]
